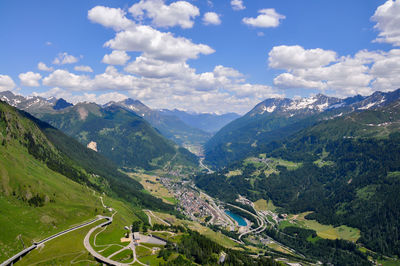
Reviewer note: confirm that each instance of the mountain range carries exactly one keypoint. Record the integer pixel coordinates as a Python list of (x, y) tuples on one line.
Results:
[(184, 128), (276, 118), (342, 168)]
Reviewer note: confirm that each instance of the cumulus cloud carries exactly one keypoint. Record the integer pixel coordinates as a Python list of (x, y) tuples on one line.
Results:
[(111, 79), (223, 88), (387, 18), (386, 70), (143, 38), (85, 97), (292, 57), (64, 79), (160, 75), (109, 17), (237, 5), (42, 66), (116, 58), (157, 45), (211, 18), (152, 68), (64, 58), (30, 79), (180, 13), (268, 18), (289, 81), (6, 83), (83, 68), (363, 73)]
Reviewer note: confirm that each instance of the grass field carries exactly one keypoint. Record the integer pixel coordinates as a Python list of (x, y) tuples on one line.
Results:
[(151, 260), (142, 251), (152, 185), (323, 231), (234, 173), (125, 255), (65, 250), (263, 205)]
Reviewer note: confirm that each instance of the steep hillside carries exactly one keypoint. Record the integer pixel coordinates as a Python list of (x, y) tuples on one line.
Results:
[(269, 120), (274, 119), (48, 182), (121, 136), (170, 125), (345, 170)]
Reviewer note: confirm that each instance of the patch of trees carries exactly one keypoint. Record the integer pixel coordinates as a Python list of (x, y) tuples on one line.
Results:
[(336, 252), (360, 188), (197, 248)]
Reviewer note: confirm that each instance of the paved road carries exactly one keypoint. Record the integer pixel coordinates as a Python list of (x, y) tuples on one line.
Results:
[(205, 166), (152, 214), (94, 253)]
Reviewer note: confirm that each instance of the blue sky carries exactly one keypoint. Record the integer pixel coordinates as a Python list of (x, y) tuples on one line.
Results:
[(199, 55)]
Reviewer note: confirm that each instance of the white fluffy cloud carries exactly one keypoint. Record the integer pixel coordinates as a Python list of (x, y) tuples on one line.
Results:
[(157, 45), (64, 79), (160, 75), (211, 18), (83, 68), (292, 57), (116, 58), (131, 37), (180, 13), (387, 18), (109, 17), (363, 73), (6, 83), (290, 81), (65, 58), (42, 66), (386, 70), (268, 18), (85, 97), (30, 79), (237, 5), (180, 86), (152, 68)]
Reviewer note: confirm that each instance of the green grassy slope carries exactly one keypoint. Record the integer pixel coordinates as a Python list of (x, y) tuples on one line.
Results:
[(45, 187), (60, 202)]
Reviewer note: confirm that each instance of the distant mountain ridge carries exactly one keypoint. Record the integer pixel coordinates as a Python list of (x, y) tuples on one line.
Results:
[(276, 118), (29, 104), (207, 122), (122, 136), (169, 125)]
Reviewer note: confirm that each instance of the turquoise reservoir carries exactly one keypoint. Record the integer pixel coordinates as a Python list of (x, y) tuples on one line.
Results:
[(239, 219)]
